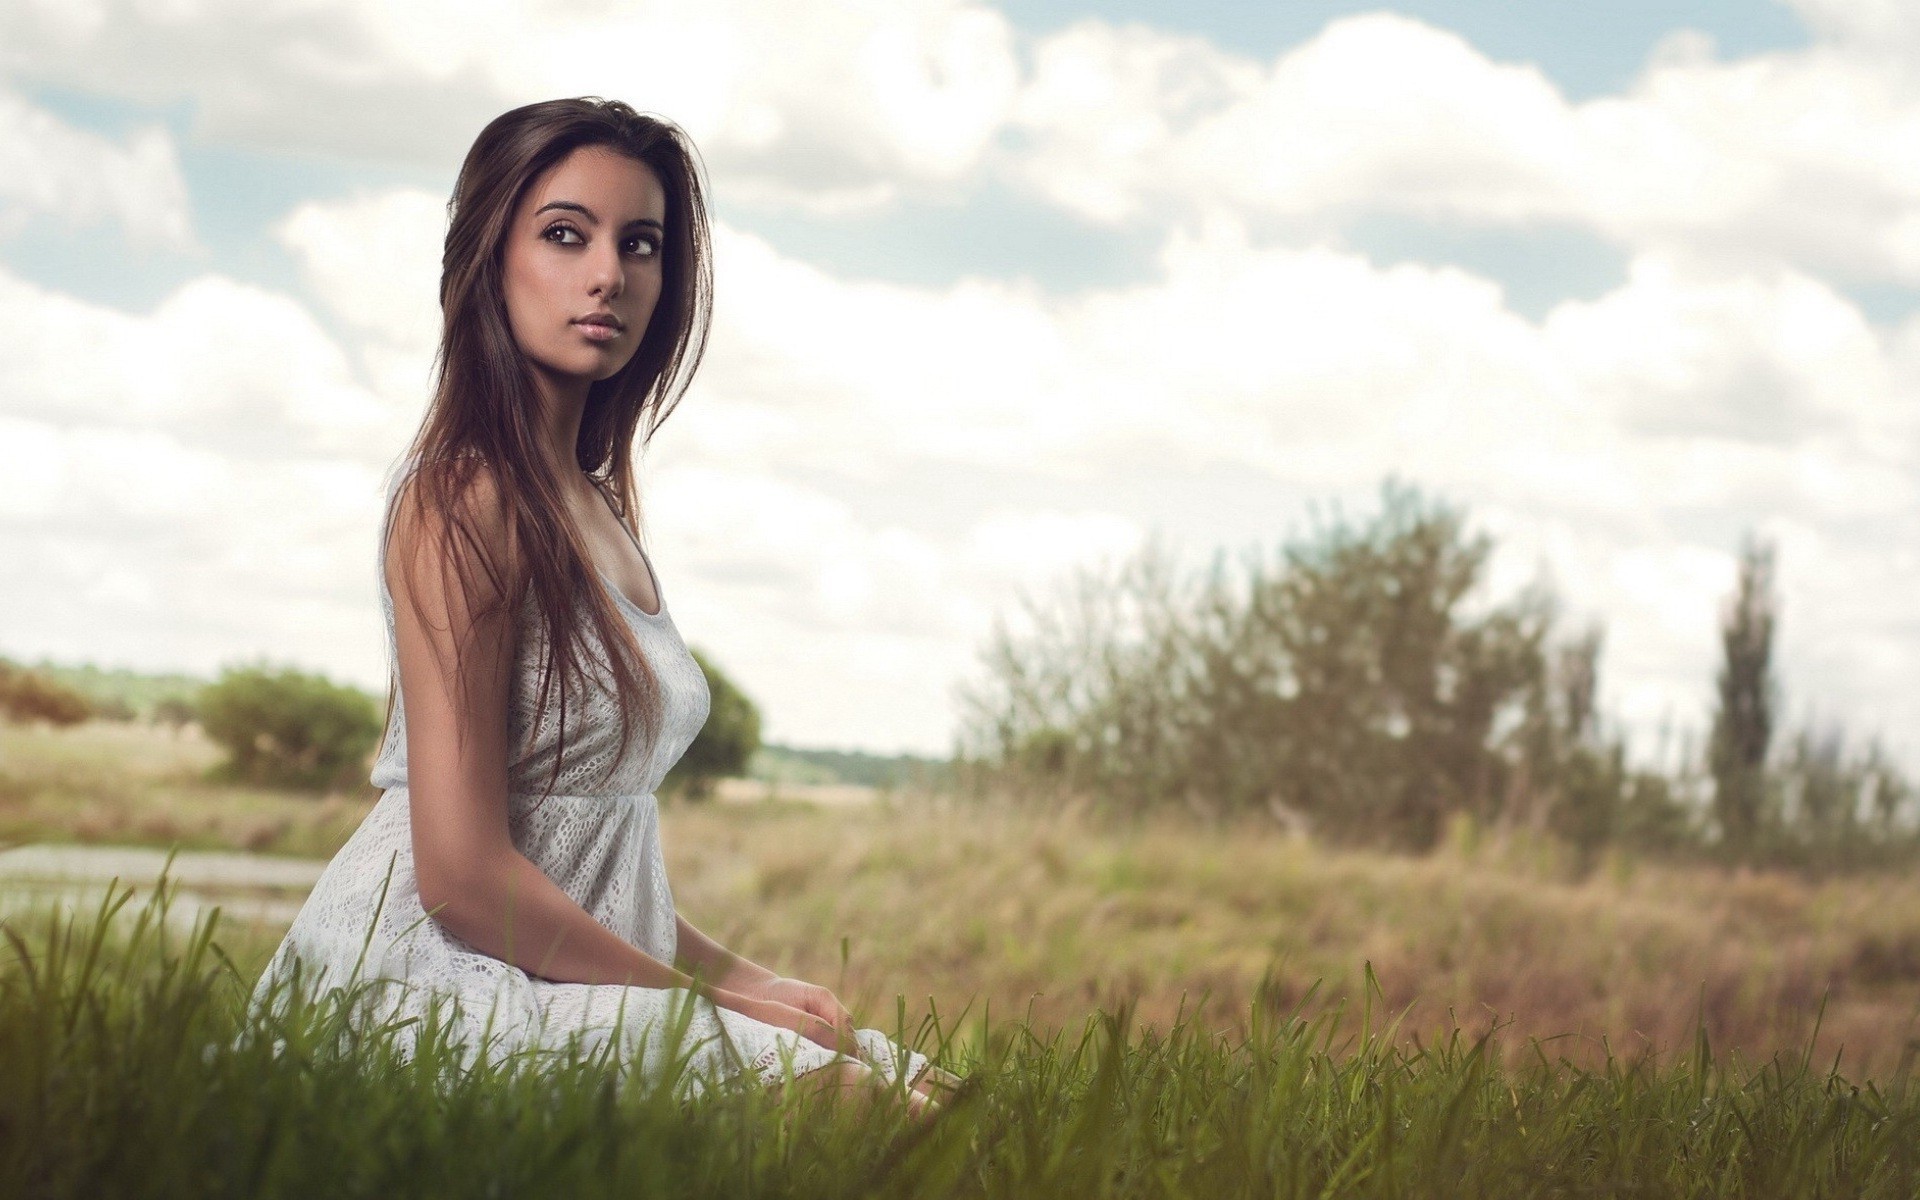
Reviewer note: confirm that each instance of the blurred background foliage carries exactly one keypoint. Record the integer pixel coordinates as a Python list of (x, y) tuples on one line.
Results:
[(282, 727), (1359, 686)]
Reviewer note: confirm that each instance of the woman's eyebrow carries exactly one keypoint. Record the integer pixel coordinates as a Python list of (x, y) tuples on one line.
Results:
[(583, 210), (569, 206)]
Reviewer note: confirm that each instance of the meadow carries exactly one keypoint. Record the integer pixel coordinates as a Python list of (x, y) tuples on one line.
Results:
[(1150, 1009)]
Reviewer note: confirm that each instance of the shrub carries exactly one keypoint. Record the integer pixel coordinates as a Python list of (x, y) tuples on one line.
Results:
[(724, 743), (284, 728), (27, 696)]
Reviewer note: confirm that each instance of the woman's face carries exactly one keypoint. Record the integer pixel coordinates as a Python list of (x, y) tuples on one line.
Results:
[(582, 265)]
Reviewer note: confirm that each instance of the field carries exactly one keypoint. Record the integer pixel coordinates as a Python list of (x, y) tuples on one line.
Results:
[(138, 784), (1158, 1010)]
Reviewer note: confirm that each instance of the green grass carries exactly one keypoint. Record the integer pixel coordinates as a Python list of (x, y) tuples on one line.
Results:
[(129, 1071)]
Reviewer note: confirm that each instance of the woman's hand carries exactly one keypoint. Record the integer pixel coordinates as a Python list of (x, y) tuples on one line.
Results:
[(807, 997), (827, 1021), (835, 1036), (752, 990)]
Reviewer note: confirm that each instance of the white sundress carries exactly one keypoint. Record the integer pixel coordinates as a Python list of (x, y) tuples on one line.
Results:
[(598, 837)]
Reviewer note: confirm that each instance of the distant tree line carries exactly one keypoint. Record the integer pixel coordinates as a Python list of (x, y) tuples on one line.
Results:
[(282, 727), (1359, 685), (796, 764)]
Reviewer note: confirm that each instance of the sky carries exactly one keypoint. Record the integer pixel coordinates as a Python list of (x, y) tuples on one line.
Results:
[(1002, 292)]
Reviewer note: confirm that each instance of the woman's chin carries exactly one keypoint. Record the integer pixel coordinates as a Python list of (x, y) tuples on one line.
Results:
[(609, 370), (584, 369)]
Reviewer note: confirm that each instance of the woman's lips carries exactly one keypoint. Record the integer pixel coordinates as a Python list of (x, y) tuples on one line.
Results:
[(598, 330)]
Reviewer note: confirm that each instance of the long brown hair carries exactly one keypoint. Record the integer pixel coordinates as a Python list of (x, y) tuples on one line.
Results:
[(485, 408)]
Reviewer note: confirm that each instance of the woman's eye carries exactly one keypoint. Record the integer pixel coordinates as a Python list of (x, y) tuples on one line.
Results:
[(641, 245), (565, 235)]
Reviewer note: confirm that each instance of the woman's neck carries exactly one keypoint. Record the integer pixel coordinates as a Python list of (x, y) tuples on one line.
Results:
[(563, 401)]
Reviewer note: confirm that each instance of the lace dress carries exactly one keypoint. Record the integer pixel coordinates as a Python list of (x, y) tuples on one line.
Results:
[(598, 837)]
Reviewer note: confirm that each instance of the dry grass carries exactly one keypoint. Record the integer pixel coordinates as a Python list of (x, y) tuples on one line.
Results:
[(134, 784), (1054, 917), (756, 791)]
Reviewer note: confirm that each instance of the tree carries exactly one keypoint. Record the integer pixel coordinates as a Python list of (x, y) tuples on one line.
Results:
[(725, 743), (1744, 716), (1578, 774), (175, 712), (1401, 692), (1358, 685), (285, 728)]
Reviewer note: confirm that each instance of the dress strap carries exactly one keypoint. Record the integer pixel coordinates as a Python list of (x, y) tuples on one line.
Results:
[(623, 521), (659, 597)]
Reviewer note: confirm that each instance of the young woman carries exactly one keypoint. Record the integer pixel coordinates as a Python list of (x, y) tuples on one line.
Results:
[(511, 871)]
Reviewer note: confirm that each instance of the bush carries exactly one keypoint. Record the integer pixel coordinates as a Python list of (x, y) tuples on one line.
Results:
[(284, 728), (175, 712), (27, 696), (724, 743)]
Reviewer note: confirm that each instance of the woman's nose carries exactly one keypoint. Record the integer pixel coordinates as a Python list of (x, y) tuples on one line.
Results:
[(608, 279)]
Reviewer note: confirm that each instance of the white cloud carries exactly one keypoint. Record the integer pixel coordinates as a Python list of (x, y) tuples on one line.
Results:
[(1806, 157), (1772, 358), (824, 106), (139, 547), (1378, 109), (187, 486), (374, 262), (1889, 28), (50, 169), (239, 366), (32, 463), (1032, 549)]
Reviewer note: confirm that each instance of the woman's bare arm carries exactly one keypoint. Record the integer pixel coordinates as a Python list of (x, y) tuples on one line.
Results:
[(715, 963), (471, 877)]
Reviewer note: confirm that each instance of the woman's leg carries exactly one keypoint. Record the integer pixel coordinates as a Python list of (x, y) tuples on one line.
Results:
[(935, 1085)]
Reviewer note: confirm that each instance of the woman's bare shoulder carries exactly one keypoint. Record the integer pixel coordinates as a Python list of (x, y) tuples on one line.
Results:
[(450, 514)]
